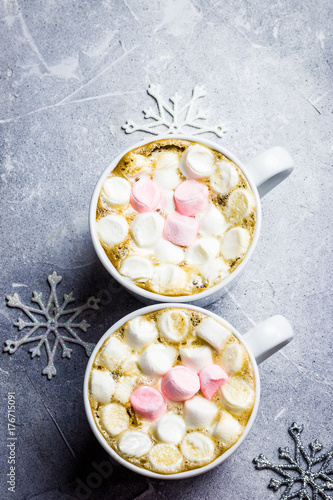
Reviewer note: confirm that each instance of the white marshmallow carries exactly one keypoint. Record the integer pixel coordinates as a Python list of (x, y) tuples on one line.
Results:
[(168, 198), (199, 412), (237, 395), (202, 250), (114, 352), (165, 458), (168, 277), (212, 332), (102, 386), (240, 203), (214, 270), (114, 418), (137, 268), (140, 332), (166, 159), (227, 430), (124, 389), (168, 252), (198, 162), (147, 229), (196, 358), (156, 360), (167, 178), (173, 325), (232, 358), (235, 243), (212, 222), (198, 448), (116, 191), (139, 165), (130, 366), (169, 428), (224, 178), (112, 229), (134, 443)]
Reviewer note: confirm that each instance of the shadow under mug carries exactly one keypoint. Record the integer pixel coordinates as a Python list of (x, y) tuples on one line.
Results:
[(263, 340), (263, 173)]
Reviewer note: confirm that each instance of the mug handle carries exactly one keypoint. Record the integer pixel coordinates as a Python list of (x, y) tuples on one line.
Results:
[(270, 168), (268, 337)]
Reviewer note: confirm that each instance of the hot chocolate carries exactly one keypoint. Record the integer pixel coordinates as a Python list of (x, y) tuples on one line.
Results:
[(175, 217)]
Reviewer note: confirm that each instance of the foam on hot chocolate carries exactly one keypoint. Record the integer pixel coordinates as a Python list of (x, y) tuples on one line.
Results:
[(175, 217), (172, 390)]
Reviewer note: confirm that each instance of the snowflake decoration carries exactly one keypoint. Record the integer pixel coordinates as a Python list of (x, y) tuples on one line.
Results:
[(52, 322), (309, 470), (181, 116)]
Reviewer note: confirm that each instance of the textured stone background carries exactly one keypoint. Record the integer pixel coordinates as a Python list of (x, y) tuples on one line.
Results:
[(71, 74)]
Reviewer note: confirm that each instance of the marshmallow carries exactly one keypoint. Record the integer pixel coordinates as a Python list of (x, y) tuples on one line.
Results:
[(148, 402), (212, 222), (114, 352), (157, 359), (238, 396), (116, 191), (113, 418), (134, 443), (212, 332), (112, 229), (232, 358), (227, 430), (180, 229), (167, 178), (102, 386), (180, 383), (124, 389), (173, 325), (198, 162), (168, 278), (147, 229), (137, 268), (213, 270), (196, 358), (166, 159), (167, 201), (191, 197), (203, 250), (169, 428), (168, 252), (137, 164), (165, 458), (145, 196), (240, 203), (130, 366), (199, 413), (198, 448), (211, 378), (235, 243), (224, 178), (139, 332)]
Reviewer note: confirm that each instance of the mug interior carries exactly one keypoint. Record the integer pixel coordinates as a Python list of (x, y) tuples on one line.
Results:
[(111, 451), (152, 296)]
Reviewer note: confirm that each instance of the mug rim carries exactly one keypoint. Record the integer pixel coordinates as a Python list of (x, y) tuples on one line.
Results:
[(100, 438), (146, 294)]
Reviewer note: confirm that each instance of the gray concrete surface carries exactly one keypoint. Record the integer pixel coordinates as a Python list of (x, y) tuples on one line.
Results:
[(71, 74)]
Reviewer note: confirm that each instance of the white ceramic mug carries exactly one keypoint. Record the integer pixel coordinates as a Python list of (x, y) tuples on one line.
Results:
[(263, 173), (261, 341)]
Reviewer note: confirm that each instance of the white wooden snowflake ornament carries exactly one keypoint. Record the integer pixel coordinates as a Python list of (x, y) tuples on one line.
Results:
[(174, 118), (306, 476), (52, 327)]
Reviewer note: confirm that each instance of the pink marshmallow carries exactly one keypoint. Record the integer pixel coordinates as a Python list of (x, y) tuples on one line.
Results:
[(191, 197), (180, 383), (180, 229), (145, 196), (148, 402), (211, 378)]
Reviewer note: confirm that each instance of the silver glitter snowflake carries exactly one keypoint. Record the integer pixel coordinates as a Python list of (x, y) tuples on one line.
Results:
[(304, 473), (175, 118), (56, 328)]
